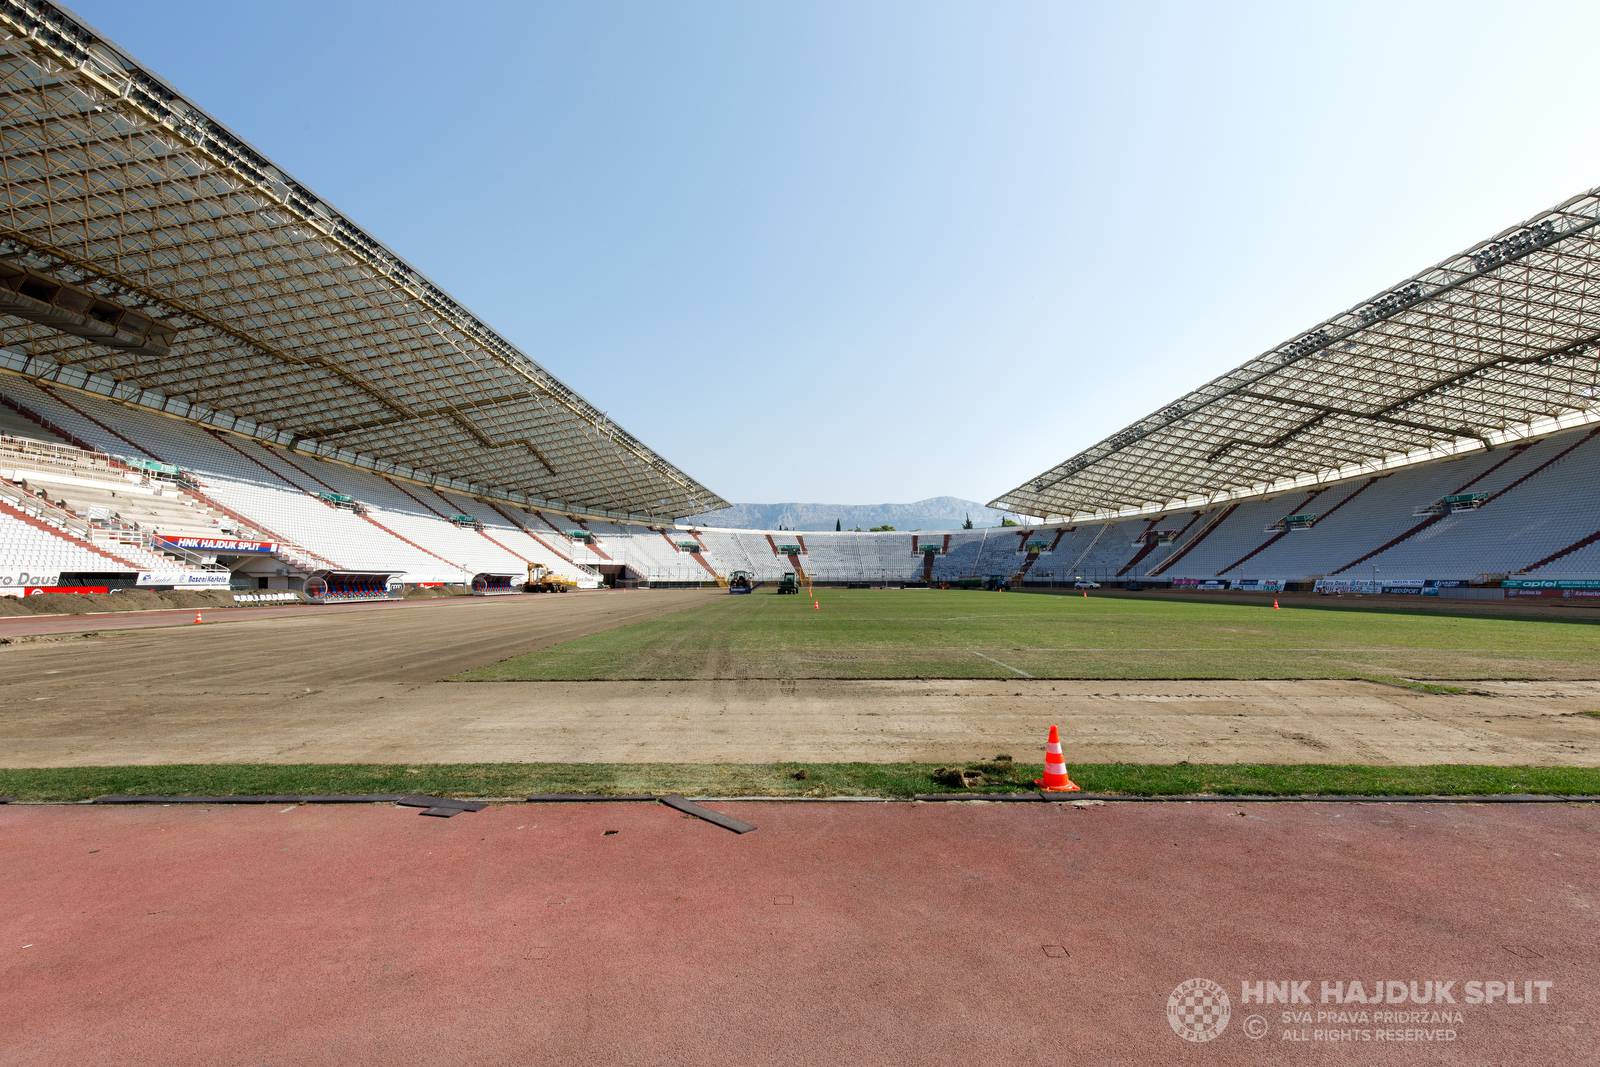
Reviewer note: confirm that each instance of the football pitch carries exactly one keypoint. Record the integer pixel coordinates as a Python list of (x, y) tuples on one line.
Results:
[(897, 634), (872, 695)]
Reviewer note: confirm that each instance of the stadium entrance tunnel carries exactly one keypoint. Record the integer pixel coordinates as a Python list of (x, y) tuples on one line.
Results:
[(614, 575), (343, 587), (494, 584)]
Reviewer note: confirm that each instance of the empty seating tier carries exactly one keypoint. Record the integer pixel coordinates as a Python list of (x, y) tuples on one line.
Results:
[(1527, 508)]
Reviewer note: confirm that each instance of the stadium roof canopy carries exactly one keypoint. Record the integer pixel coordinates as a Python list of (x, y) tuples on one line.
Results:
[(148, 253), (1491, 345)]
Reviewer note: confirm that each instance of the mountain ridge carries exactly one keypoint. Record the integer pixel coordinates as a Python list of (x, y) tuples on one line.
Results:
[(934, 513)]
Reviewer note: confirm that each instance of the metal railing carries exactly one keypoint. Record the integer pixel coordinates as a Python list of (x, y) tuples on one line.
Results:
[(99, 532), (72, 457), (44, 511)]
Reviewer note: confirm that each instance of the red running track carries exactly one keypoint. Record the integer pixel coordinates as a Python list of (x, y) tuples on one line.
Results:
[(833, 934)]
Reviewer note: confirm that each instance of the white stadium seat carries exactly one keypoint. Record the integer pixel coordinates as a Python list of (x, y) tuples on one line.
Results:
[(1537, 502)]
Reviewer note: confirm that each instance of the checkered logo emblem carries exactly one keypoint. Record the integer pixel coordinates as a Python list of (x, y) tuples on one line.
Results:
[(1198, 1010)]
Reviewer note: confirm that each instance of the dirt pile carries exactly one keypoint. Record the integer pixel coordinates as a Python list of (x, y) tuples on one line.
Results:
[(1001, 770), (117, 600), (433, 592)]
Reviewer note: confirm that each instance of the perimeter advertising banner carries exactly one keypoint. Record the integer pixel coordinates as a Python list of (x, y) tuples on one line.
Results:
[(1260, 585), (226, 546), (1412, 587), (37, 584), (1554, 588), (185, 579), (12, 583), (1551, 583), (1391, 586)]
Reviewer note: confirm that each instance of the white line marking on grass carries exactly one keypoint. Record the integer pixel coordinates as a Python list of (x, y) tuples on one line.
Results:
[(1019, 672)]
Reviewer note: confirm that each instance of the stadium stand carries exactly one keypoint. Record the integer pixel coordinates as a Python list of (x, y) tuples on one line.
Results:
[(15, 424), (960, 559), (833, 559), (1531, 502), (394, 530), (1472, 372), (30, 544), (92, 499), (884, 557), (648, 553), (873, 558), (1578, 561), (455, 552), (1537, 505), (1104, 548), (511, 534), (103, 490), (729, 551)]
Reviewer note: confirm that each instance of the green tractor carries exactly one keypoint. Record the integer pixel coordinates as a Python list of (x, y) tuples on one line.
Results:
[(789, 584)]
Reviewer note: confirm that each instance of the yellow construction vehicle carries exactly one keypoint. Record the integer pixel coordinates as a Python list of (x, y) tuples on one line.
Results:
[(542, 580)]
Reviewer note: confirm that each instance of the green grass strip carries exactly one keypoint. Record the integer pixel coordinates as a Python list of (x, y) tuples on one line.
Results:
[(880, 634), (890, 780), (1431, 688)]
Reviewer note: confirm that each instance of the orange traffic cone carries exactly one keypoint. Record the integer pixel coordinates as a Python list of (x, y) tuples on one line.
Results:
[(1275, 604), (197, 619), (815, 606), (1056, 779), (1086, 594)]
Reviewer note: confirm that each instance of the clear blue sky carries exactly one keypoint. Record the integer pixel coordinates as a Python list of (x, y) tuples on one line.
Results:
[(863, 252)]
